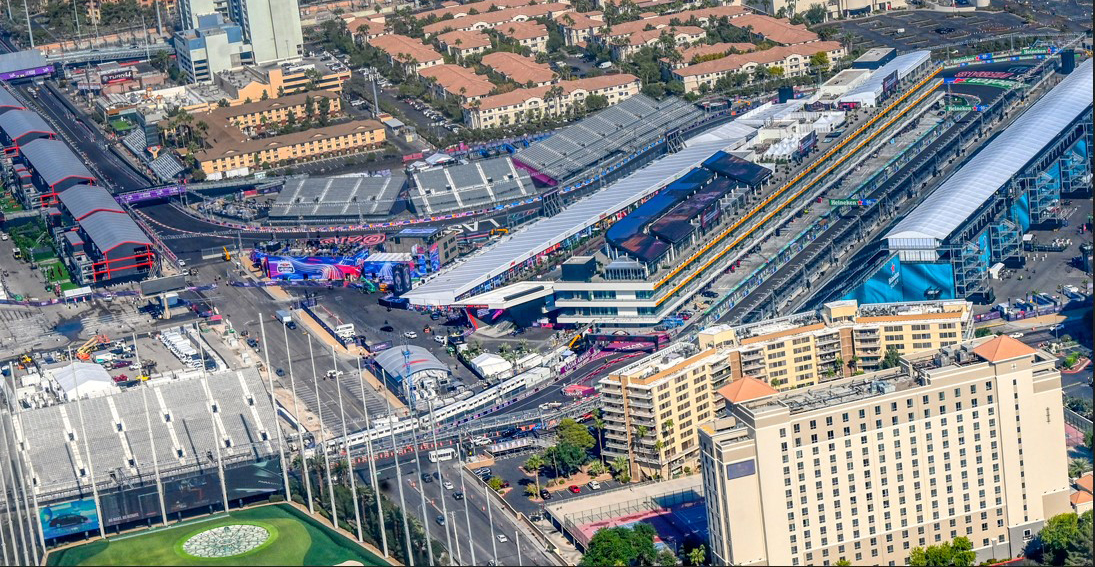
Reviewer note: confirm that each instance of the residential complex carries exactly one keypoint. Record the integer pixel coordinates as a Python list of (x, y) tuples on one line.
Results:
[(462, 43), (519, 69), (497, 18), (965, 441), (786, 61), (839, 339), (531, 35), (835, 8), (519, 105), (456, 81), (407, 52)]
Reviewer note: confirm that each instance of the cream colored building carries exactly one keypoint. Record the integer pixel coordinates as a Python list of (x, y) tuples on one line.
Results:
[(968, 441), (841, 338), (524, 105), (651, 409), (792, 60), (835, 8), (532, 35)]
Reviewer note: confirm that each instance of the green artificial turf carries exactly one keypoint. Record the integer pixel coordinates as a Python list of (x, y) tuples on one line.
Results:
[(295, 539)]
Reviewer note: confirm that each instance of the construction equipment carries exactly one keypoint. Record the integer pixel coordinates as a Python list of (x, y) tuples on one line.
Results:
[(84, 352), (576, 338), (499, 232), (227, 254)]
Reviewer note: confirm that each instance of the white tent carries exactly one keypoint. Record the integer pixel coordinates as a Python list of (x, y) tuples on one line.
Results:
[(84, 379), (488, 364)]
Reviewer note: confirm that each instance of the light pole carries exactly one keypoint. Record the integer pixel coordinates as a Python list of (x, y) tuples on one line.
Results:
[(323, 436), (467, 513), (440, 479), (372, 462), (300, 425), (422, 485), (151, 437), (490, 520), (346, 448), (399, 482), (273, 404)]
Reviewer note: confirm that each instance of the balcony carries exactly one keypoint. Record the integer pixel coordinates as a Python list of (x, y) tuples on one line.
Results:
[(752, 355)]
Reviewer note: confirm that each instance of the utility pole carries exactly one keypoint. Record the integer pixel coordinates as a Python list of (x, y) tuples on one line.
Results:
[(467, 513), (300, 425), (346, 448), (440, 479), (421, 481), (490, 520), (399, 482), (372, 463), (273, 403), (30, 30), (151, 437), (323, 436)]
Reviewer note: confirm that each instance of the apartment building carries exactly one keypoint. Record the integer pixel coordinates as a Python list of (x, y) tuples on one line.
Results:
[(579, 27), (486, 20), (214, 46), (408, 52), (651, 409), (836, 8), (519, 69), (520, 105), (866, 468), (258, 115), (703, 52), (792, 60), (838, 340), (470, 9), (456, 81), (230, 154), (271, 27), (532, 35), (462, 43), (280, 79), (681, 36)]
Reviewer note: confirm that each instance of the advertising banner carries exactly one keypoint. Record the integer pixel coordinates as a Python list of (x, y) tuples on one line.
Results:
[(69, 518)]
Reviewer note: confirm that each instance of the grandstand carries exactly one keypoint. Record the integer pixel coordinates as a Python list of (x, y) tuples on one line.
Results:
[(337, 199), (611, 133), (195, 424), (481, 184)]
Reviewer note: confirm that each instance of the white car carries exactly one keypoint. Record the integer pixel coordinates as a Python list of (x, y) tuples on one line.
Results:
[(410, 335), (447, 484), (502, 538), (1016, 335), (439, 339)]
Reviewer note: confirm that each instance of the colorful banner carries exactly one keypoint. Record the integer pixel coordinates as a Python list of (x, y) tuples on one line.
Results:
[(67, 518)]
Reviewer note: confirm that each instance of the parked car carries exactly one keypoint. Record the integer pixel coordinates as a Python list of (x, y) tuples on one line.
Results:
[(574, 489), (410, 335), (593, 485), (280, 372), (387, 329), (545, 494)]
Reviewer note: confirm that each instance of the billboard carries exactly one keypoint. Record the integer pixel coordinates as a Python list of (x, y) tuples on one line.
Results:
[(883, 287), (67, 518), (807, 143), (927, 280), (889, 83), (24, 73)]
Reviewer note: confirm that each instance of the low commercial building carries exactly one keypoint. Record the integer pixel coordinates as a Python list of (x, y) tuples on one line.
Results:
[(280, 79), (233, 155), (965, 441), (518, 105), (838, 340), (411, 372), (519, 69), (51, 167), (458, 82), (462, 43), (114, 77), (100, 242), (407, 52), (532, 35), (793, 60), (20, 127), (215, 45)]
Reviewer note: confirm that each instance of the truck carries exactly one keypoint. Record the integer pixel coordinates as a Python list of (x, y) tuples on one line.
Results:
[(283, 316)]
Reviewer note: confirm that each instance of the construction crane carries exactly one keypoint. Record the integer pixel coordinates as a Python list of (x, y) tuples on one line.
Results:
[(227, 254), (84, 352)]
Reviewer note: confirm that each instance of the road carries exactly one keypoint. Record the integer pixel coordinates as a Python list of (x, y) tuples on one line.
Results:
[(479, 537)]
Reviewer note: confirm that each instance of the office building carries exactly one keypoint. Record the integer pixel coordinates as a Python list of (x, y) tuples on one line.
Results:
[(837, 340), (965, 441), (214, 46), (271, 27)]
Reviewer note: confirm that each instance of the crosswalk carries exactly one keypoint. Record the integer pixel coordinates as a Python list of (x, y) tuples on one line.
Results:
[(23, 329)]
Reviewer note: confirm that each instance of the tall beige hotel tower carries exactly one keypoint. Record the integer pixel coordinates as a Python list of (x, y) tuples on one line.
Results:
[(963, 441)]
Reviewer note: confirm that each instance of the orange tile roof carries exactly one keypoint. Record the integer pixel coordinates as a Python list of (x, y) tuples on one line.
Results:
[(492, 19), (467, 39), (461, 10), (1085, 482), (628, 28), (371, 27), (716, 48), (405, 48), (458, 81), (1002, 348), (589, 84), (745, 389), (778, 53), (523, 30), (779, 31), (518, 68), (647, 36), (582, 20), (1080, 498)]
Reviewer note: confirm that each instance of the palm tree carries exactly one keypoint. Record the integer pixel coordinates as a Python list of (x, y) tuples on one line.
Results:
[(599, 425), (1077, 467), (698, 555), (533, 465)]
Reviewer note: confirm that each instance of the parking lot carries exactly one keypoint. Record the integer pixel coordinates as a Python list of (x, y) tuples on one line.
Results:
[(509, 469), (925, 29)]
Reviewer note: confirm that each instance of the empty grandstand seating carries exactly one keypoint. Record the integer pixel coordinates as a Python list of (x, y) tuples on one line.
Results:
[(476, 185), (337, 199), (608, 134)]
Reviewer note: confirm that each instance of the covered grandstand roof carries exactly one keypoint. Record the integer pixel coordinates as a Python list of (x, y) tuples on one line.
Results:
[(521, 245), (872, 87), (54, 161), (628, 235), (948, 207), (738, 169), (8, 100), (117, 430), (480, 184), (621, 128), (338, 197), (18, 123), (397, 361), (110, 230), (83, 200)]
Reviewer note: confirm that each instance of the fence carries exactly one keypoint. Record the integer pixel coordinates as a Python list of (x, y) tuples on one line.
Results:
[(1078, 421)]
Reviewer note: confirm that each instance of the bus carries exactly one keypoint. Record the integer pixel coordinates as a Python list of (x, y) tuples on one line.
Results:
[(447, 454)]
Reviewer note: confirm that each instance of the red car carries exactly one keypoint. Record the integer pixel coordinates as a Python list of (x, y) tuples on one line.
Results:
[(574, 489)]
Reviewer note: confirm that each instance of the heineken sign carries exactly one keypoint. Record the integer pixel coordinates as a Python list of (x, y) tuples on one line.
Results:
[(852, 202)]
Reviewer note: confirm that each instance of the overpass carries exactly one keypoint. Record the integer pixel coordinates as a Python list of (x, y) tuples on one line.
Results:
[(141, 51)]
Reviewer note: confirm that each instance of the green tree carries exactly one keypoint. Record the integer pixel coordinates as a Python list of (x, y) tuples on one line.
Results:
[(819, 59), (1066, 539), (566, 458), (842, 562), (891, 359), (698, 556), (495, 483), (571, 432), (621, 546), (956, 553), (533, 465), (1077, 467), (666, 558), (982, 332)]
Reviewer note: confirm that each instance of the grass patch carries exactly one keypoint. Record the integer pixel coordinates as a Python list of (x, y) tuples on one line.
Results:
[(55, 271), (295, 539)]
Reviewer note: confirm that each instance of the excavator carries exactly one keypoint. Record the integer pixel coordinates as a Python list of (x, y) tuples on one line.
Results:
[(85, 350)]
